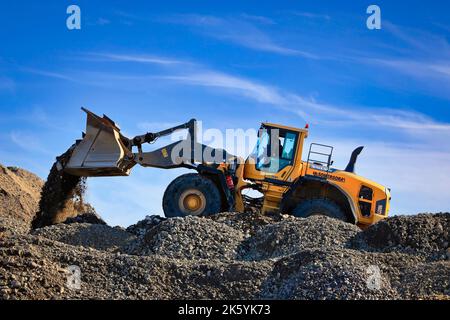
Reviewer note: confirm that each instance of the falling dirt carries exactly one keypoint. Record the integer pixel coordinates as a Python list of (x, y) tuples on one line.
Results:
[(62, 196)]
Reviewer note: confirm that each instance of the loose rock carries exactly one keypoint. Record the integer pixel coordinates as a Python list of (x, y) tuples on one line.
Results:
[(226, 256)]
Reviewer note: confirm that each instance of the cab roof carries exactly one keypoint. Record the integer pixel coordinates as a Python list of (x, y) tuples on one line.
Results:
[(274, 125)]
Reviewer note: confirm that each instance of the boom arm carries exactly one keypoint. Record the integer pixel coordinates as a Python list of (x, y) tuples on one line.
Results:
[(150, 137)]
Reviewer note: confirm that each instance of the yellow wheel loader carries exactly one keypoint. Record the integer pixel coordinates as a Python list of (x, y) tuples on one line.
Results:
[(275, 168)]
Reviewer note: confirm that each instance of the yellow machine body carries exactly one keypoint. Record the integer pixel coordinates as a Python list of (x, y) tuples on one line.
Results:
[(275, 168), (320, 181)]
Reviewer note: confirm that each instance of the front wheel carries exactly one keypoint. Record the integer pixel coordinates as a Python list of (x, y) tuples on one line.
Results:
[(322, 207), (191, 195)]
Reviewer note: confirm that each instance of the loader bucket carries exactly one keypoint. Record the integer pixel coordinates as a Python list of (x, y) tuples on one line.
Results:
[(103, 151)]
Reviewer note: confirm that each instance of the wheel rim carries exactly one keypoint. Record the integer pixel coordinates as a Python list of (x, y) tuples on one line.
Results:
[(192, 202)]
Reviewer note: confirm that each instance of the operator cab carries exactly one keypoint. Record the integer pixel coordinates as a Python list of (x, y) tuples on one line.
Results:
[(276, 152)]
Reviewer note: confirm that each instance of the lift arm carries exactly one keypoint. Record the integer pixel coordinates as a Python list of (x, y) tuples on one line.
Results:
[(150, 137)]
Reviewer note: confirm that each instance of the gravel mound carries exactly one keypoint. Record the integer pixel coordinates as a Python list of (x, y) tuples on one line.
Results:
[(27, 272), (197, 258), (142, 227), (87, 235), (19, 194), (425, 234), (249, 222), (11, 226), (189, 238), (331, 274), (90, 217), (293, 235), (33, 267), (226, 256)]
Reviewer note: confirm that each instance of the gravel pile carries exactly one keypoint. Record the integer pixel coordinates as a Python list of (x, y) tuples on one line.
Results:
[(189, 238), (424, 234), (90, 217), (249, 222), (325, 274), (11, 226), (142, 227), (197, 258), (293, 235), (87, 235), (33, 267), (227, 256)]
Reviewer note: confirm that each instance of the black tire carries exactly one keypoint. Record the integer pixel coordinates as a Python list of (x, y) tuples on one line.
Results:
[(322, 207), (187, 185)]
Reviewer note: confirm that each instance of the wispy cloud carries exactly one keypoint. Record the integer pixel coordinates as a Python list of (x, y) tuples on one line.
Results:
[(311, 15), (236, 31), (258, 92), (50, 74), (438, 70), (258, 19), (102, 21), (135, 58), (426, 44), (424, 56), (29, 142), (306, 107), (309, 108)]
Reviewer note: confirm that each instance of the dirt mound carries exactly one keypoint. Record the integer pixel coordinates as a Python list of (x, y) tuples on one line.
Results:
[(87, 235), (19, 194), (62, 196), (293, 235), (424, 234), (189, 238)]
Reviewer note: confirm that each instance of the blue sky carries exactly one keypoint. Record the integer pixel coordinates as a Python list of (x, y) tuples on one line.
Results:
[(233, 64)]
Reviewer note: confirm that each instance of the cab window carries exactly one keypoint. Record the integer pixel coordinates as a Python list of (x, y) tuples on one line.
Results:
[(288, 146), (275, 150)]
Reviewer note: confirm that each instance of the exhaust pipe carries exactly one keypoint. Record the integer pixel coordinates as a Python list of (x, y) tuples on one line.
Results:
[(351, 164)]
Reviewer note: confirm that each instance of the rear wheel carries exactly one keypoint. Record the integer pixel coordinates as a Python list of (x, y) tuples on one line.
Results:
[(322, 207), (191, 195)]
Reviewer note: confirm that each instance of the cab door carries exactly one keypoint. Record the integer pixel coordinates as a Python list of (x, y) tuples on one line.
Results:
[(274, 161), (274, 155)]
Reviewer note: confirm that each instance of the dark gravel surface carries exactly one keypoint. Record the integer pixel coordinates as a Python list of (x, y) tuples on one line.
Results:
[(226, 257), (189, 238)]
